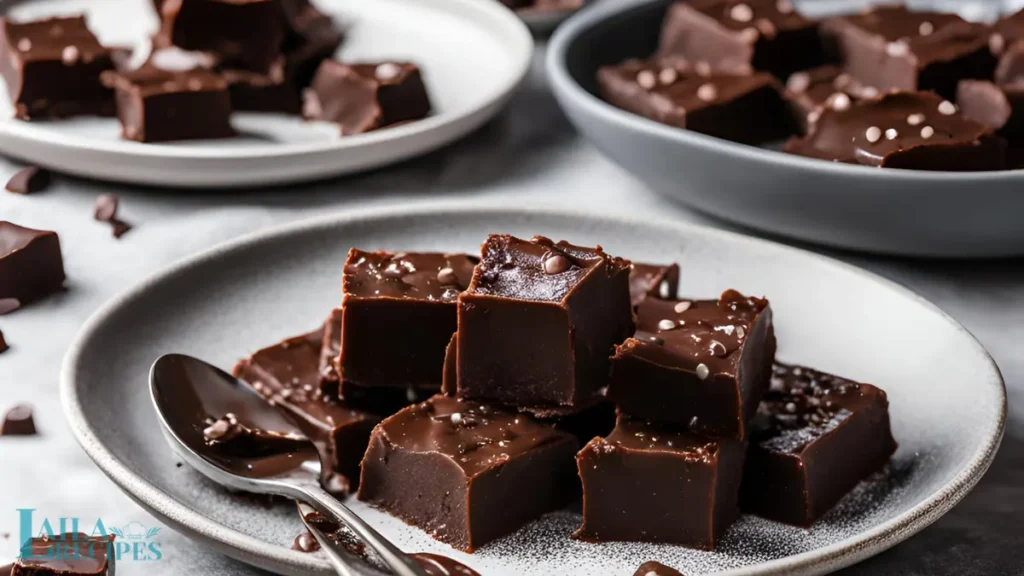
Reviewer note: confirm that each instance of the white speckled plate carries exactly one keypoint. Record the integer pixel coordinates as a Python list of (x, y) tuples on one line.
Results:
[(466, 87), (948, 400)]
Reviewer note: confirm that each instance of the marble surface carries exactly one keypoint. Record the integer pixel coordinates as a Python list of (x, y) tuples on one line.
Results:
[(528, 156)]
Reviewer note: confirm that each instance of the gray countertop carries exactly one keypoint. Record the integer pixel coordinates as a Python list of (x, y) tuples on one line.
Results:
[(530, 155)]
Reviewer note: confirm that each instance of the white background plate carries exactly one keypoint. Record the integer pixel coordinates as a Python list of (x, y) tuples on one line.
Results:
[(473, 55), (947, 398)]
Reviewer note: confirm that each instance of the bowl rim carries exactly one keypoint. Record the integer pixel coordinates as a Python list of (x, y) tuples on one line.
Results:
[(254, 551), (566, 87)]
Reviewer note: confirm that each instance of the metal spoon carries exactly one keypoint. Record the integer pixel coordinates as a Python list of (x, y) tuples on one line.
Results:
[(189, 394)]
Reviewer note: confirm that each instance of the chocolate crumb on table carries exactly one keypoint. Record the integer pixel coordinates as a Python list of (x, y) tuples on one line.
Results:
[(766, 35), (305, 542), (52, 68), (3, 344), (106, 209), (815, 437), (18, 421), (31, 265), (911, 130), (29, 180), (741, 107), (367, 96)]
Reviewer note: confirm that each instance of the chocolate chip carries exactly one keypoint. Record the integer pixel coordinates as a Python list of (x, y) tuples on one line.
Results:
[(18, 421), (447, 277), (556, 264), (29, 180), (8, 305), (305, 542), (106, 207)]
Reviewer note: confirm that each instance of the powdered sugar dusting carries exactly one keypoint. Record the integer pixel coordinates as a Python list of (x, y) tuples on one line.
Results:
[(547, 547)]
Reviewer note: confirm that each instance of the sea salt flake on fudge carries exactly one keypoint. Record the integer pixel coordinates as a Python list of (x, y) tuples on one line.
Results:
[(398, 314), (287, 375), (364, 97), (465, 472), (768, 35), (538, 322), (815, 437), (911, 130), (156, 105), (652, 281), (69, 554), (740, 107), (893, 48), (645, 483), (52, 68), (699, 364), (810, 91)]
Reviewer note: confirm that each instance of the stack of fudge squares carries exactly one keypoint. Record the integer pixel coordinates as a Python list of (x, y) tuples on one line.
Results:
[(208, 59), (469, 395), (887, 87)]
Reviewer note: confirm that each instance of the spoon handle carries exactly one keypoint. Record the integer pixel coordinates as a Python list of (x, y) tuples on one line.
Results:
[(399, 563), (342, 563)]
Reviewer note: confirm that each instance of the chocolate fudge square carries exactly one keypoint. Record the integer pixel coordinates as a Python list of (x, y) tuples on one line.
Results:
[(811, 91), (654, 484), (740, 107), (1000, 107), (911, 130), (768, 35), (538, 322), (69, 554), (52, 68), (364, 97), (892, 48), (31, 265), (652, 281), (699, 364), (245, 34), (157, 105), (398, 314), (466, 472), (310, 38), (271, 91), (288, 376), (815, 437)]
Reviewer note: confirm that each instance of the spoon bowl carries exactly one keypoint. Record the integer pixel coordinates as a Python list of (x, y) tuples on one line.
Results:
[(263, 451)]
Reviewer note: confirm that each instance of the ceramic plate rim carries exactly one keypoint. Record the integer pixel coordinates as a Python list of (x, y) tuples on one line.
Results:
[(565, 85), (255, 551), (493, 10)]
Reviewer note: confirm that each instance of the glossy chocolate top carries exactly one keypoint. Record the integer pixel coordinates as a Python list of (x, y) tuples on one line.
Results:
[(869, 131), (288, 375), (476, 436), (657, 280), (826, 86), (536, 269), (928, 36), (67, 39), (430, 276), (803, 404), (677, 87), (767, 17), (149, 80), (705, 332), (653, 568), (14, 237), (635, 434), (68, 553)]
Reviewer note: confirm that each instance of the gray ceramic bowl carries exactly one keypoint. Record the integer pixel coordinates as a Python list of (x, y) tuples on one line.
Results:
[(879, 210)]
